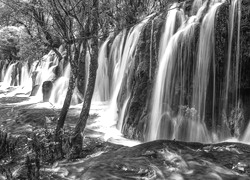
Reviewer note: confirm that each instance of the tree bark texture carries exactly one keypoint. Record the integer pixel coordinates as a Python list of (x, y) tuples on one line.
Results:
[(81, 82), (81, 124), (70, 90), (66, 105)]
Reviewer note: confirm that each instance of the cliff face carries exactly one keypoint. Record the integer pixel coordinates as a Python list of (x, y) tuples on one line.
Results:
[(139, 82)]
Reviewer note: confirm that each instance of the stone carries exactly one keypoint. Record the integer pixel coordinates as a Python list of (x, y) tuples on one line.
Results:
[(46, 89), (34, 90)]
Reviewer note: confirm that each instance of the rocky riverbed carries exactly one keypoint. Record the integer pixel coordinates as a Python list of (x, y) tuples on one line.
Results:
[(107, 157)]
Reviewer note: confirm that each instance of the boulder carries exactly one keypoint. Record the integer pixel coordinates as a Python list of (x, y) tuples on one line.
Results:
[(34, 90), (46, 89)]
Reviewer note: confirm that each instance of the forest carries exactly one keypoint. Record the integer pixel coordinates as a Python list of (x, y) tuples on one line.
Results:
[(122, 89)]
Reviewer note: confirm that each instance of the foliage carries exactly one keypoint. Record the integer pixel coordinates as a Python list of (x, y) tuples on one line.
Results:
[(30, 49), (189, 113), (23, 157)]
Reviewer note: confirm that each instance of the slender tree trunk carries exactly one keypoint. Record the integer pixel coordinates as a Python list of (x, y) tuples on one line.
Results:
[(57, 53), (66, 105), (81, 78), (81, 82), (81, 124), (71, 87)]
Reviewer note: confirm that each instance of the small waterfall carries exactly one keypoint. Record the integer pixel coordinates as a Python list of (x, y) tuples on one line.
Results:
[(206, 60), (232, 79), (45, 71), (25, 77), (174, 18), (122, 57), (197, 4), (102, 87), (8, 75), (116, 52), (230, 44), (4, 64), (122, 115), (60, 88), (160, 118)]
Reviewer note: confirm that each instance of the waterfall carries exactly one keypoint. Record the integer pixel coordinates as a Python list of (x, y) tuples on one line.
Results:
[(116, 52), (25, 78), (102, 87), (60, 88), (122, 55), (7, 77), (4, 64), (205, 60), (174, 17), (196, 6), (232, 78), (169, 117), (45, 71)]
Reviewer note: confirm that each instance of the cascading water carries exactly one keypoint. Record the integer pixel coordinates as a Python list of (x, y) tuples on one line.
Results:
[(25, 77), (60, 88), (176, 115), (232, 78), (45, 71), (160, 115), (205, 61), (122, 55), (3, 65), (125, 64), (196, 6), (115, 56), (174, 17), (7, 78), (102, 87)]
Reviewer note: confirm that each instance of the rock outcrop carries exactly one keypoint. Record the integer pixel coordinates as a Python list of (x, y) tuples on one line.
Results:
[(46, 89)]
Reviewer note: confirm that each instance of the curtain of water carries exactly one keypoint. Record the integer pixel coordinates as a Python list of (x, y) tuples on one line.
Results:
[(25, 79), (102, 87), (7, 77), (3, 69), (166, 52), (205, 61), (174, 16), (232, 78), (115, 56), (45, 71), (122, 58), (174, 79)]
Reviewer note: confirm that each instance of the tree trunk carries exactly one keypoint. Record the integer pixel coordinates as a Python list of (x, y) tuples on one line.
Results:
[(71, 87), (81, 82), (81, 124), (81, 78), (66, 105)]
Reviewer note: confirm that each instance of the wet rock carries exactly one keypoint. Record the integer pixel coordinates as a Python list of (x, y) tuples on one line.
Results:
[(34, 90), (139, 80), (57, 72), (46, 89), (164, 159), (33, 76)]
